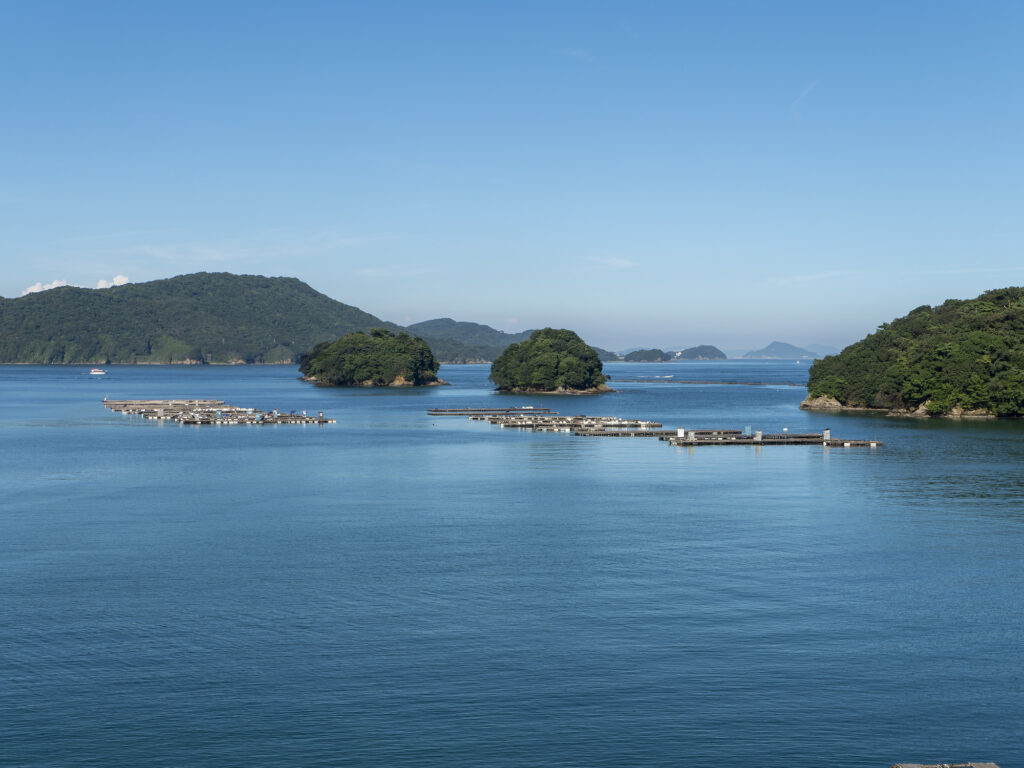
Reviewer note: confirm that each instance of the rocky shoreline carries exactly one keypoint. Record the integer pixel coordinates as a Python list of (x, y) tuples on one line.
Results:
[(560, 391), (827, 403), (399, 381)]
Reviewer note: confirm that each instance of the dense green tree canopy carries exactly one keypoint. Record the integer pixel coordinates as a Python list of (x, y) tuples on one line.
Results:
[(966, 354), (550, 360), (647, 356), (202, 317), (378, 358)]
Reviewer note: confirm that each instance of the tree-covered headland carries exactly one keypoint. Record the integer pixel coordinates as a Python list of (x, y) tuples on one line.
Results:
[(197, 318), (379, 358), (551, 360), (959, 357)]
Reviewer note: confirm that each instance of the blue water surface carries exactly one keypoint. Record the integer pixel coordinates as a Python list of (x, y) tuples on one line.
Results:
[(399, 589)]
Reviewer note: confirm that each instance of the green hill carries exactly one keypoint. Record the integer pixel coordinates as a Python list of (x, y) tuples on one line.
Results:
[(202, 317), (551, 360), (960, 356), (379, 358), (461, 342)]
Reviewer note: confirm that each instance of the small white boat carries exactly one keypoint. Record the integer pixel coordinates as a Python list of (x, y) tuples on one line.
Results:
[(97, 372)]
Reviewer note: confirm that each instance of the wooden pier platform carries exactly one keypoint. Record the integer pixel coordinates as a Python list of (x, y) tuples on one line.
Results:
[(689, 438), (209, 412)]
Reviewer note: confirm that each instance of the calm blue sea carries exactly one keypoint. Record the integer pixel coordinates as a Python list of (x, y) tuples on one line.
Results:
[(404, 590)]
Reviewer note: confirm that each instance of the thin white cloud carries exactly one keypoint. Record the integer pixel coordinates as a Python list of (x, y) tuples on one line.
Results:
[(188, 252), (795, 105), (264, 245), (41, 286), (388, 272), (119, 280), (612, 262), (813, 277), (579, 54), (977, 271), (37, 287)]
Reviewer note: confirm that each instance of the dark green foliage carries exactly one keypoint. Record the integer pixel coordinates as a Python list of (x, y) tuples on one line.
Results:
[(203, 317), (963, 353), (647, 356), (551, 359), (376, 358), (702, 352)]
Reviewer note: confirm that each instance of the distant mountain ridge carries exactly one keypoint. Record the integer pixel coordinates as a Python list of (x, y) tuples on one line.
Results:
[(781, 350), (205, 317), (453, 341), (461, 342), (210, 317)]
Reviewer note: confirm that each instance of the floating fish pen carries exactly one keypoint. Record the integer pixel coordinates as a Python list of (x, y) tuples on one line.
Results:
[(540, 420), (486, 411), (945, 765), (691, 437), (209, 412), (577, 425)]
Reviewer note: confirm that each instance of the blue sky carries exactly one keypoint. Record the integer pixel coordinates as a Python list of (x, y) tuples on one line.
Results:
[(645, 173)]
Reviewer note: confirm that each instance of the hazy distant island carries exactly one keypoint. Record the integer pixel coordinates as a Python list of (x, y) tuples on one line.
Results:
[(780, 350), (701, 352), (379, 358), (647, 356), (963, 358), (550, 361)]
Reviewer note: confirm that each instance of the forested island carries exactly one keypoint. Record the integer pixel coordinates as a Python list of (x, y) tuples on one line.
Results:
[(551, 360), (379, 358), (701, 352), (647, 356), (780, 350), (962, 358)]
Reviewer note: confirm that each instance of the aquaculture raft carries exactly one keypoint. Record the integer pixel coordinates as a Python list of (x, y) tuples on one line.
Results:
[(544, 420), (485, 411), (689, 437), (209, 412)]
